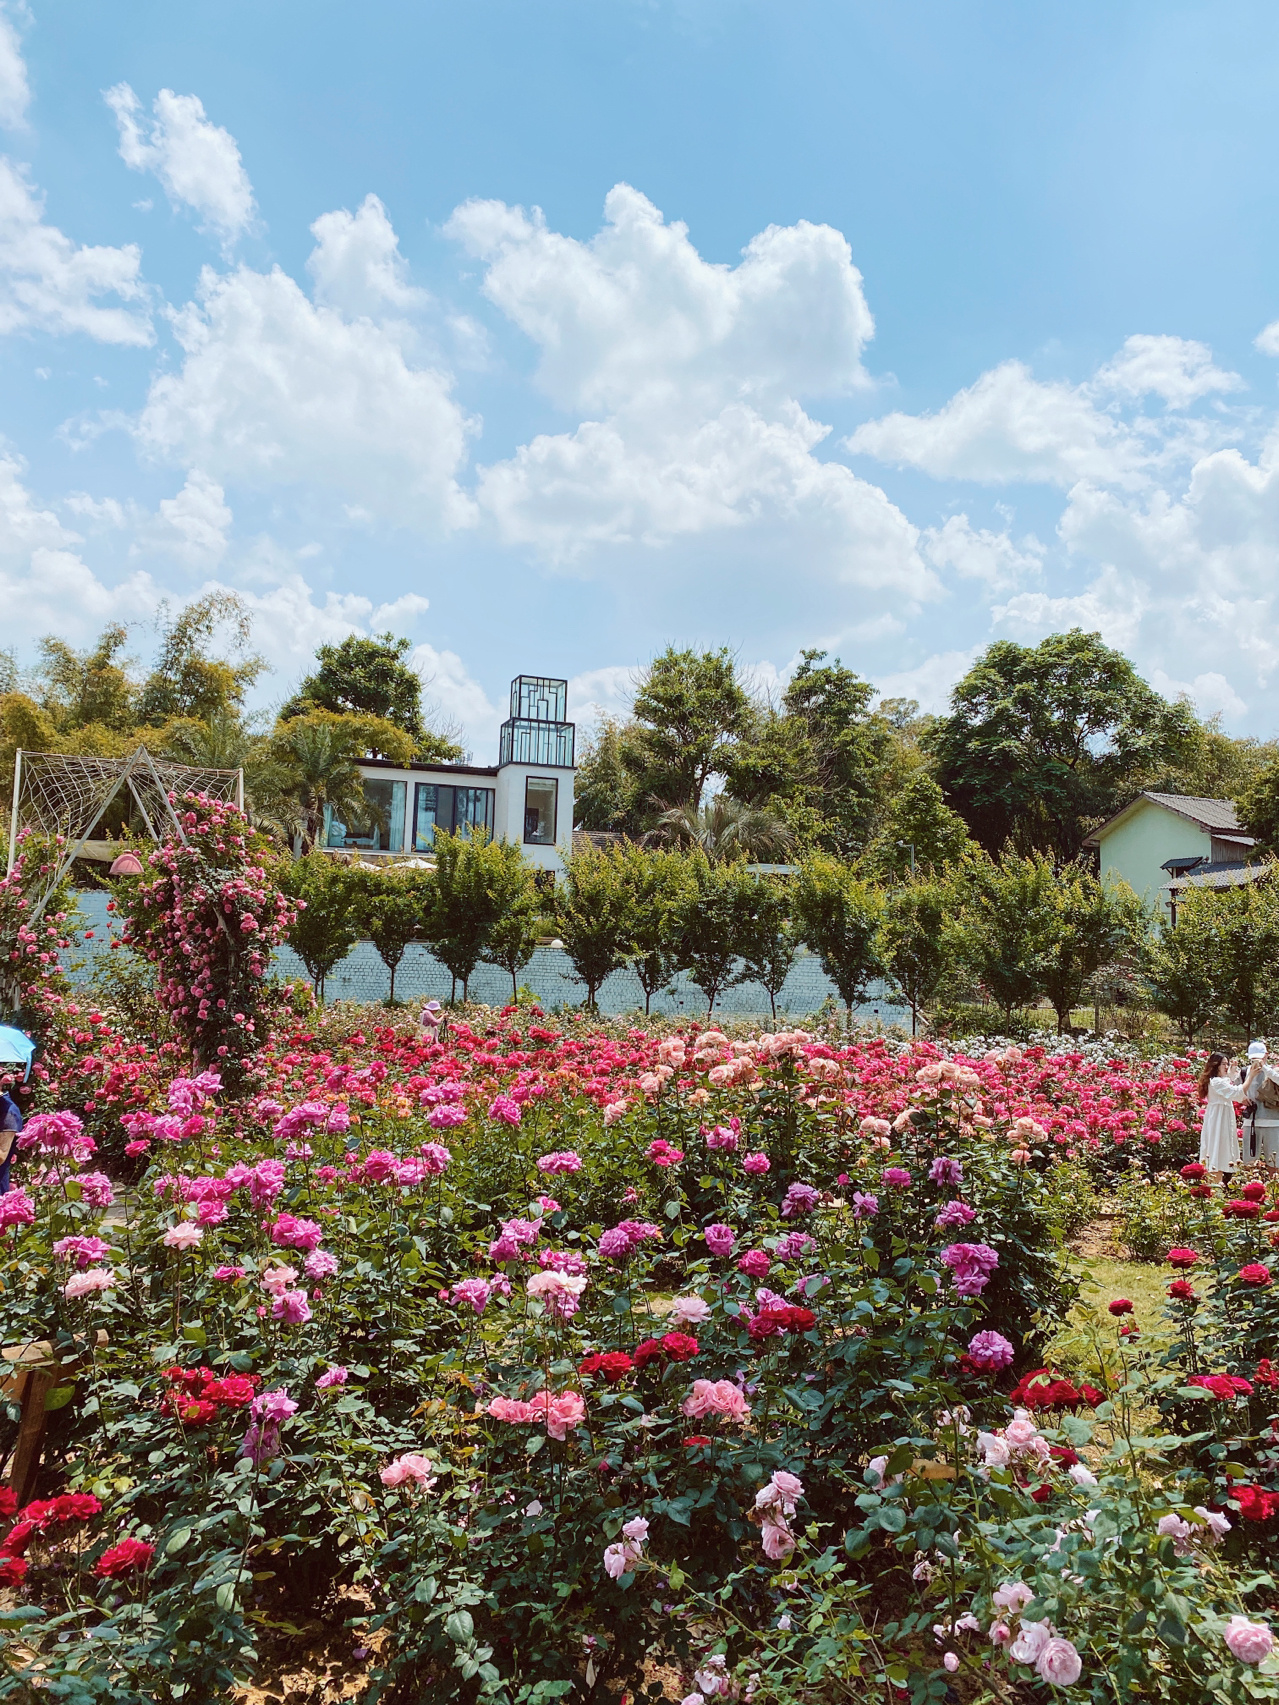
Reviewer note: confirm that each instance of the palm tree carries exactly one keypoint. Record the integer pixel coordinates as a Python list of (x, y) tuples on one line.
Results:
[(317, 756), (222, 742), (725, 829)]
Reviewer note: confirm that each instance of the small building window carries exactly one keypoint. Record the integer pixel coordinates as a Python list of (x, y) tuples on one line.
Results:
[(376, 827), (540, 798), (455, 810)]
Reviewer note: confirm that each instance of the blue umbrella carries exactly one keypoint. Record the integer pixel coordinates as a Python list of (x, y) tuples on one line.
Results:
[(16, 1047)]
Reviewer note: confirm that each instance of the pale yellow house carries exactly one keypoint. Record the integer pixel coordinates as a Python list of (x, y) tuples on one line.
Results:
[(1162, 842)]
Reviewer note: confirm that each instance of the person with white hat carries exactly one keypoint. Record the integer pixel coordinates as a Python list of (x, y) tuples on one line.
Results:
[(1219, 1148), (1261, 1123)]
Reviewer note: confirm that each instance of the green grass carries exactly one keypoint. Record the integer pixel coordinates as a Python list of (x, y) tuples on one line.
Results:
[(1091, 1330)]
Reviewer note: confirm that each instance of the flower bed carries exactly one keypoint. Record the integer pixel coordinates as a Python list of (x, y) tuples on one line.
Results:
[(541, 1353)]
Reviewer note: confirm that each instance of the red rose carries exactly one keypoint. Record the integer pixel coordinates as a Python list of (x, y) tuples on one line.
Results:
[(1255, 1274), (613, 1364), (1255, 1191), (13, 1571), (8, 1503), (1255, 1504), (679, 1346), (1193, 1171), (1182, 1291), (1182, 1257), (648, 1351), (1240, 1210), (1201, 1190), (1267, 1374), (1121, 1305), (696, 1440), (1224, 1386), (123, 1559)]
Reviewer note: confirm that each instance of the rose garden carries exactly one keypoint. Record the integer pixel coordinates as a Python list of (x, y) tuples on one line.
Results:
[(515, 1358)]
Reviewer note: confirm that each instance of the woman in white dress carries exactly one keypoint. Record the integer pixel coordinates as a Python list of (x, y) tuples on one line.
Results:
[(1219, 1137)]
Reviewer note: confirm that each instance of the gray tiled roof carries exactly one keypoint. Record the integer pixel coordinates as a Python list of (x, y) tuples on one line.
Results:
[(1208, 813), (1219, 876)]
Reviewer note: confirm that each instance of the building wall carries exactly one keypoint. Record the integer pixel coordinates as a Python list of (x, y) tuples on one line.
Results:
[(1136, 850), (508, 804)]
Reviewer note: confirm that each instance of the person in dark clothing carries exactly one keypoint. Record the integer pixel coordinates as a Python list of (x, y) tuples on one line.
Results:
[(10, 1125)]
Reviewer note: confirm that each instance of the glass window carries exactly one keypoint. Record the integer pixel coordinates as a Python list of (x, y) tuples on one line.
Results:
[(380, 825), (428, 811), (473, 810), (455, 810), (540, 794)]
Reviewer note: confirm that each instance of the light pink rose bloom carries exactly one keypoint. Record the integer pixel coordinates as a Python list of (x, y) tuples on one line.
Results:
[(86, 1283), (950, 1662), (1013, 1595), (716, 1397), (616, 1560), (778, 1541), (276, 1280), (1000, 1633), (510, 1409), (688, 1311), (1030, 1641), (1059, 1663), (409, 1467), (782, 1492), (1218, 1524), (562, 1412), (1249, 1641), (184, 1235)]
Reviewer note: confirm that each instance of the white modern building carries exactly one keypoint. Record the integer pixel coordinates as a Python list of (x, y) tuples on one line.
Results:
[(526, 797)]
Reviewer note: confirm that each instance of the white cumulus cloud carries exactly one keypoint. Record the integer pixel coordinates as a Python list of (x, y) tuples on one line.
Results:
[(49, 284), (15, 93), (357, 265), (277, 390), (197, 162), (692, 373), (1175, 368), (977, 553), (1008, 426), (191, 528)]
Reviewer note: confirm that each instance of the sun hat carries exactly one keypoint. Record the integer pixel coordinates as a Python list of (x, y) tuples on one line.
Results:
[(1257, 1050)]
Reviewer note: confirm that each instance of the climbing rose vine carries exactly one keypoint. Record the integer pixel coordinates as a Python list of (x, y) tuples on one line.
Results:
[(208, 920)]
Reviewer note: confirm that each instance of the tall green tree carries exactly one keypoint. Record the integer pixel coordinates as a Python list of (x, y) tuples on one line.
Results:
[(363, 676), (1246, 966), (520, 922), (1258, 805), (1041, 742), (187, 679), (919, 833), (1095, 924), (689, 713), (467, 900), (328, 921), (839, 916), (769, 939), (77, 688), (1179, 965), (654, 882), (593, 915), (711, 922), (915, 941), (393, 909), (607, 787), (845, 747), (1007, 925)]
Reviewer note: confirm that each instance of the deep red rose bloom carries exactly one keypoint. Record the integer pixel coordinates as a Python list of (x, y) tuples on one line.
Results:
[(1063, 1456), (1041, 1494), (1201, 1190), (13, 1571), (1272, 1215), (1254, 1191), (123, 1559), (613, 1364), (1255, 1503), (1182, 1290), (679, 1346), (694, 1440), (647, 1351), (8, 1503), (1255, 1274), (19, 1537), (1042, 1389), (1240, 1210), (1193, 1172), (1121, 1305), (1267, 1374), (1182, 1257), (194, 1411)]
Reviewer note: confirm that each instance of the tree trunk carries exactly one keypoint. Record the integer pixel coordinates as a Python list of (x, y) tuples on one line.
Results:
[(392, 996), (772, 1001), (515, 993)]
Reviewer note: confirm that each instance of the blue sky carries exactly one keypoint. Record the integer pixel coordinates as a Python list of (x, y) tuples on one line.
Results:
[(890, 329)]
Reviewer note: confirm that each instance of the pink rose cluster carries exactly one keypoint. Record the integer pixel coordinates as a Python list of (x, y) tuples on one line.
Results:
[(559, 1411), (971, 1265)]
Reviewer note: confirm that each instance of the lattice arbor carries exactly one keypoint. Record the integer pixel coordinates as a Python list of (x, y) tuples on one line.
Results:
[(57, 794)]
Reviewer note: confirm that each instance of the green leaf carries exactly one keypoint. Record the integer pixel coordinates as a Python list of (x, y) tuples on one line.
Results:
[(460, 1627), (1077, 1429), (892, 1518), (225, 1596), (176, 1541), (676, 1576), (535, 1443), (58, 1398), (195, 1334), (671, 1210)]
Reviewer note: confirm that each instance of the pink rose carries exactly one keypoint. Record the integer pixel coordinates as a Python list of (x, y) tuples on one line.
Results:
[(1249, 1641)]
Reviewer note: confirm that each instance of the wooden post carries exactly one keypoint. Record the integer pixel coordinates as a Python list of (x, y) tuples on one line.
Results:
[(13, 819), (36, 1371)]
